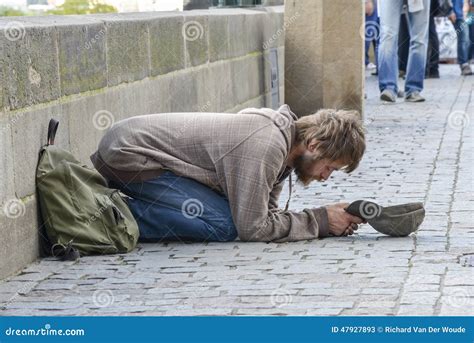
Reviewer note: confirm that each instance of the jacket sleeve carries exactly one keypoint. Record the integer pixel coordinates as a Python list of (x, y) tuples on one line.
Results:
[(247, 175), (275, 195)]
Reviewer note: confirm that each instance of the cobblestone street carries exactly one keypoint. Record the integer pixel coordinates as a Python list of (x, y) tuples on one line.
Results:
[(415, 152)]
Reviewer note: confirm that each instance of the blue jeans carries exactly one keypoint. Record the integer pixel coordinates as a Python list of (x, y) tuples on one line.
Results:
[(390, 12), (176, 208), (462, 31), (371, 37)]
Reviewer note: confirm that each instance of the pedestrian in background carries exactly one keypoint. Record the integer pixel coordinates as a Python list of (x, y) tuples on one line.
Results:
[(418, 17), (432, 61), (372, 33), (470, 21), (457, 17)]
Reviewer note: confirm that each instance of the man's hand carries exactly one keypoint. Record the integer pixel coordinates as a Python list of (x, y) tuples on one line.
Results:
[(452, 17), (341, 223)]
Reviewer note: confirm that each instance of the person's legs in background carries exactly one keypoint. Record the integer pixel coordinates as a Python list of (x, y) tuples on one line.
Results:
[(172, 208), (418, 25), (372, 32), (389, 12), (463, 46), (471, 38), (432, 62), (367, 46), (403, 44), (375, 44)]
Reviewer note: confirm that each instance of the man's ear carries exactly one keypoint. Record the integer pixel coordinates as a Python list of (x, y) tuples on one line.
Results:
[(313, 145)]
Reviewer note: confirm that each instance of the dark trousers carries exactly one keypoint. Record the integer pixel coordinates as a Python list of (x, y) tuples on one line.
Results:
[(432, 62), (403, 43)]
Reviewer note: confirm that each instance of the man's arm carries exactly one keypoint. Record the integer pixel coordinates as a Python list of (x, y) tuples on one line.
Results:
[(275, 195), (247, 175)]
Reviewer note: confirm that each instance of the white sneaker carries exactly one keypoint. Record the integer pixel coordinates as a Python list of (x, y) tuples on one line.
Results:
[(371, 66)]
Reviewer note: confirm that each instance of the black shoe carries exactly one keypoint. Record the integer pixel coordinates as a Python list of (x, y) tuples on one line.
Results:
[(432, 75)]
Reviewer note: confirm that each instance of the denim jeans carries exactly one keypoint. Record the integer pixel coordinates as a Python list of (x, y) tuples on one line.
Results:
[(471, 38), (462, 31), (176, 208), (390, 12), (371, 37)]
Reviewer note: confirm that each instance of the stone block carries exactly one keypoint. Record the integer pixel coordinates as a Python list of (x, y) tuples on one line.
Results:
[(220, 86), (247, 78), (166, 44), (127, 50), (89, 118), (314, 77), (34, 131), (82, 55), (19, 243), (28, 63), (238, 43), (195, 31), (183, 92), (218, 36), (6, 160)]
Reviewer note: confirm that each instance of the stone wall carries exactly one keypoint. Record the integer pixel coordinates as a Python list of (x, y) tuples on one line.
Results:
[(90, 71), (324, 51)]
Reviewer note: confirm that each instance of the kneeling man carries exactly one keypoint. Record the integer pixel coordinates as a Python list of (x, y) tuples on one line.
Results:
[(218, 176)]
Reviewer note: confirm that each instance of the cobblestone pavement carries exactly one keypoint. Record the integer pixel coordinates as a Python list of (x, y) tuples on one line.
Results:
[(416, 152)]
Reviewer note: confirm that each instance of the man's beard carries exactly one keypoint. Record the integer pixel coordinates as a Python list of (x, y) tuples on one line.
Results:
[(302, 166)]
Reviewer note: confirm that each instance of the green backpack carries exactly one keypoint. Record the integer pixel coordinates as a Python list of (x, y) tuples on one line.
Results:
[(81, 215)]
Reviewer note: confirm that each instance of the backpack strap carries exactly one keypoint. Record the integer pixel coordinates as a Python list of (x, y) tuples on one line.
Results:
[(52, 128)]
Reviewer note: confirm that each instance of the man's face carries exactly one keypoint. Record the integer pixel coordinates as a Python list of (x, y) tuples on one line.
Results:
[(309, 167)]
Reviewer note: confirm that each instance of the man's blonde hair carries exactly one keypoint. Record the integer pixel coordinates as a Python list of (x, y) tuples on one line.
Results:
[(340, 134)]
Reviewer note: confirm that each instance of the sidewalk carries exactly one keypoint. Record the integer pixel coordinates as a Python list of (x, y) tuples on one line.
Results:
[(415, 152)]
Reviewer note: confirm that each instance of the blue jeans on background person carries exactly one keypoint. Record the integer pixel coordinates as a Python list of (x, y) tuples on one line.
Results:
[(176, 208), (471, 36), (371, 37), (462, 32), (390, 12)]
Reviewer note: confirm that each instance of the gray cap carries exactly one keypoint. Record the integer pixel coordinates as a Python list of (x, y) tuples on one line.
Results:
[(397, 221)]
